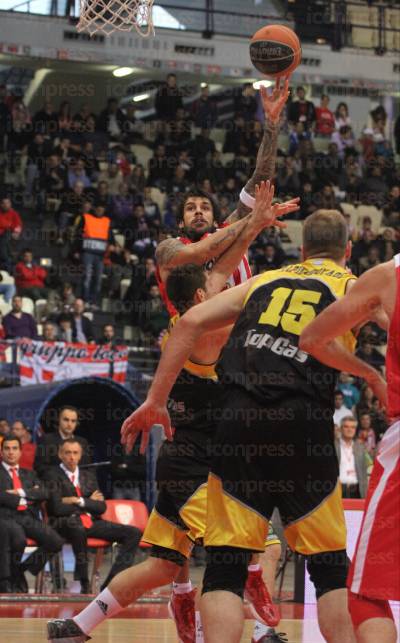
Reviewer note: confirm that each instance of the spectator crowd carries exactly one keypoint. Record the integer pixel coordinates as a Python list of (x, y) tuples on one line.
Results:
[(113, 182)]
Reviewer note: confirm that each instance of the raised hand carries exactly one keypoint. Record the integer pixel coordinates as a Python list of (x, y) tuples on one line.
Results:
[(141, 421), (264, 213), (274, 102)]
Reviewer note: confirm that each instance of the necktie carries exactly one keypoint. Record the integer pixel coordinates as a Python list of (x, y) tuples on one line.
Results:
[(86, 520), (17, 485)]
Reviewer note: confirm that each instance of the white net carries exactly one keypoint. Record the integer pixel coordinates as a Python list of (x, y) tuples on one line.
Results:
[(106, 16)]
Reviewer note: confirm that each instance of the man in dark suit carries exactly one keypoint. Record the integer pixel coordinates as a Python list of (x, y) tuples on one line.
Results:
[(353, 462), (47, 447), (20, 495), (75, 507)]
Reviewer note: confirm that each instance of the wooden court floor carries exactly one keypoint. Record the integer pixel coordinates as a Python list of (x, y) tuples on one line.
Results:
[(147, 623), (121, 630)]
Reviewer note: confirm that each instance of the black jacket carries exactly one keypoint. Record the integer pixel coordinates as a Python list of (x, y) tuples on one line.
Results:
[(47, 452), (58, 486), (34, 490)]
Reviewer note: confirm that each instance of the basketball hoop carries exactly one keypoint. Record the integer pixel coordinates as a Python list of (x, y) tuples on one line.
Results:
[(107, 16)]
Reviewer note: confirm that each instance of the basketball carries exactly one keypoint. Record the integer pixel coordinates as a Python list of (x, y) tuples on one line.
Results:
[(275, 50)]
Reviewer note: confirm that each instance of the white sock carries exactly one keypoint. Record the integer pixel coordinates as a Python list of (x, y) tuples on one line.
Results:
[(182, 588), (254, 568), (104, 606), (260, 630), (199, 629)]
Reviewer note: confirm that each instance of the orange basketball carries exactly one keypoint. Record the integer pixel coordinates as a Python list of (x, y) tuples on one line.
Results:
[(275, 50)]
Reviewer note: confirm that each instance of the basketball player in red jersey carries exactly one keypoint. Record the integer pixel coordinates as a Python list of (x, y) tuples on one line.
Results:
[(198, 215), (374, 577)]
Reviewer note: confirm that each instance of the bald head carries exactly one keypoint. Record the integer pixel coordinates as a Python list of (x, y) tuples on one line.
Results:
[(325, 235)]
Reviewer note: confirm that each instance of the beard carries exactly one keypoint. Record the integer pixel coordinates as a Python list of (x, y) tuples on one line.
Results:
[(195, 235)]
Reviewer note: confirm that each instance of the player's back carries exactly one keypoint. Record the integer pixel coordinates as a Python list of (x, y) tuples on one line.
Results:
[(262, 354)]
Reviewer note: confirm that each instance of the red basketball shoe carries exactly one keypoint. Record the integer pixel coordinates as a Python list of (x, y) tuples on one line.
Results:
[(261, 605), (182, 609)]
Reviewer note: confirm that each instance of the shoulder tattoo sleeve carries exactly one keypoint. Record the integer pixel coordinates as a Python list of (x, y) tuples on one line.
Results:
[(167, 250)]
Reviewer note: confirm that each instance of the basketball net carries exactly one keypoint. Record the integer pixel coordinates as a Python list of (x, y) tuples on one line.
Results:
[(107, 16)]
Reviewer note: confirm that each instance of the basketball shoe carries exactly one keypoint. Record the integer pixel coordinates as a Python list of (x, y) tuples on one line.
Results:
[(65, 630), (261, 605), (182, 609)]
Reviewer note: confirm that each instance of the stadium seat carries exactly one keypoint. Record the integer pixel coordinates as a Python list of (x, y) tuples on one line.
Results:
[(4, 307), (294, 231), (370, 211), (123, 512), (124, 285), (120, 239), (159, 197), (217, 135), (227, 158), (321, 143), (28, 306), (283, 142), (142, 153), (6, 277), (40, 305)]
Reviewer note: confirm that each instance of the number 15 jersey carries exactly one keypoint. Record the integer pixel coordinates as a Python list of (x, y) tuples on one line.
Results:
[(262, 354)]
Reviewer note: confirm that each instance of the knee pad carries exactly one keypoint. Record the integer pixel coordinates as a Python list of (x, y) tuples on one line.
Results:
[(226, 570), (362, 609), (328, 571)]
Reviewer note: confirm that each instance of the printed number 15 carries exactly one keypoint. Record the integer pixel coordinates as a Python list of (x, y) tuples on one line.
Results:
[(299, 313)]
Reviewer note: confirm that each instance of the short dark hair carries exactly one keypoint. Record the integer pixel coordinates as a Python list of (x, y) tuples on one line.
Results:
[(325, 234), (198, 192), (70, 441), (68, 407), (182, 283), (11, 438)]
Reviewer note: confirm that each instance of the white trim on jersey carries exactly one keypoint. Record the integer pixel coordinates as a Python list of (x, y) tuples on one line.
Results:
[(388, 457), (397, 260)]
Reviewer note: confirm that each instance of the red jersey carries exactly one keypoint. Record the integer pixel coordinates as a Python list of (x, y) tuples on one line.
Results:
[(393, 352), (239, 276), (10, 221), (325, 121)]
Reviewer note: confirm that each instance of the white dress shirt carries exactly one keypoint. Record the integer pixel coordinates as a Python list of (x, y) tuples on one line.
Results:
[(348, 473), (74, 477), (21, 492)]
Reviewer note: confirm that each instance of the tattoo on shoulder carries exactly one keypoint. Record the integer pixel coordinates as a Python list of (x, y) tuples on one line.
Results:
[(166, 250)]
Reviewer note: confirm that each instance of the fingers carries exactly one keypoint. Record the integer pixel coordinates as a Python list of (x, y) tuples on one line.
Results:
[(144, 442), (169, 432)]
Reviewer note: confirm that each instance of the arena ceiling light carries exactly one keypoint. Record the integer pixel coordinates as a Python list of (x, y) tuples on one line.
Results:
[(120, 72), (262, 83), (140, 97)]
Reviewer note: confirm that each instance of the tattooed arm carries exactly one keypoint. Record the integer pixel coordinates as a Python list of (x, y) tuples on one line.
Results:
[(265, 164), (172, 252)]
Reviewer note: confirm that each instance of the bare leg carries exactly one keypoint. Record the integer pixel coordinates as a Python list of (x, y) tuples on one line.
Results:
[(334, 618), (269, 561), (222, 617), (130, 584), (377, 629), (183, 574)]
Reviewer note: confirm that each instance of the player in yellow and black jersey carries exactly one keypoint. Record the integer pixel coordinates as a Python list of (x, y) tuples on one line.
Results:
[(274, 444)]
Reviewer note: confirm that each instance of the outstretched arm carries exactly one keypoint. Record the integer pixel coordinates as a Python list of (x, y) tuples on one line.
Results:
[(265, 164), (217, 312), (359, 304)]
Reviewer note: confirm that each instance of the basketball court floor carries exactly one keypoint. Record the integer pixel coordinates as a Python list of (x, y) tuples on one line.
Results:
[(145, 623)]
